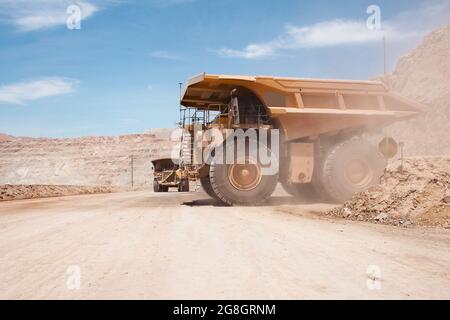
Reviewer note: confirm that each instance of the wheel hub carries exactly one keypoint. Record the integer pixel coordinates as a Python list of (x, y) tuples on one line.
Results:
[(244, 177), (358, 172)]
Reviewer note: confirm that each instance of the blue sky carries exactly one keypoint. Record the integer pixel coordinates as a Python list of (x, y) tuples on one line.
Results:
[(119, 73)]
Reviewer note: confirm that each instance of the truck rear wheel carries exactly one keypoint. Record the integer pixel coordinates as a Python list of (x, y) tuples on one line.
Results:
[(156, 186), (159, 188), (349, 167), (183, 186), (242, 184)]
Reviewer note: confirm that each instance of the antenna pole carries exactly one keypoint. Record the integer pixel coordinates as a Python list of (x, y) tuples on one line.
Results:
[(180, 84)]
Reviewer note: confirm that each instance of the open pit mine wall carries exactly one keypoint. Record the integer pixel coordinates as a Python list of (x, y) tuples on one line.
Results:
[(89, 161)]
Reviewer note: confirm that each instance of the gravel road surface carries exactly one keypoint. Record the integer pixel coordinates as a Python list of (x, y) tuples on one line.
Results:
[(141, 245)]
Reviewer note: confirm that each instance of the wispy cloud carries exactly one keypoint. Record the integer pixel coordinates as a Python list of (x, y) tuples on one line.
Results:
[(252, 51), (332, 33), (20, 93), (323, 34), (406, 26), (165, 55), (28, 15)]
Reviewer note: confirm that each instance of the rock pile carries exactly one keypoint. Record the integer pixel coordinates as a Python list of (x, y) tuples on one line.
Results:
[(416, 192)]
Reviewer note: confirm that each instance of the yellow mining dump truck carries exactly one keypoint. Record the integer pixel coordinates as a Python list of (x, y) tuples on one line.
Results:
[(319, 124), (167, 174)]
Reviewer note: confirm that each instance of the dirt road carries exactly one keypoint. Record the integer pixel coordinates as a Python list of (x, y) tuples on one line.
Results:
[(143, 245)]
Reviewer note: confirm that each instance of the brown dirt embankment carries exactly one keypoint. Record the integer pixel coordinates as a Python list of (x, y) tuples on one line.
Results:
[(417, 193), (20, 192)]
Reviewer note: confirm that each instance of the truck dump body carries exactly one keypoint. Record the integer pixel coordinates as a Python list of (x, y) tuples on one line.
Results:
[(306, 107)]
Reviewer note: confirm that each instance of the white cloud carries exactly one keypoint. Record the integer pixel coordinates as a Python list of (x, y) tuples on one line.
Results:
[(329, 33), (252, 51), (28, 15), (19, 93), (406, 27)]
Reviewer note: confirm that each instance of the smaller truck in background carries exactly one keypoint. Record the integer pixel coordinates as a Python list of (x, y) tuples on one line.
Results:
[(167, 175)]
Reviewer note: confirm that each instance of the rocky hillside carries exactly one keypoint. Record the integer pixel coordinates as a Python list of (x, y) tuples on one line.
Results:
[(88, 161), (5, 137), (424, 75)]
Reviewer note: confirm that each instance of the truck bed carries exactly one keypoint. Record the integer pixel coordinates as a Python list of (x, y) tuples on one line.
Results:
[(306, 107)]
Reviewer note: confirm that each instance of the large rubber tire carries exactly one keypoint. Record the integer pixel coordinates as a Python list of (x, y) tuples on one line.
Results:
[(350, 167), (206, 185), (156, 186), (183, 186), (227, 192)]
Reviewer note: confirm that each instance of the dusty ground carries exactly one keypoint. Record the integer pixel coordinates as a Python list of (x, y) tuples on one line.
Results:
[(144, 245)]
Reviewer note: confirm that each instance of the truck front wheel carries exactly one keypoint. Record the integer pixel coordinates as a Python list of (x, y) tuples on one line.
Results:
[(206, 185), (243, 184)]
